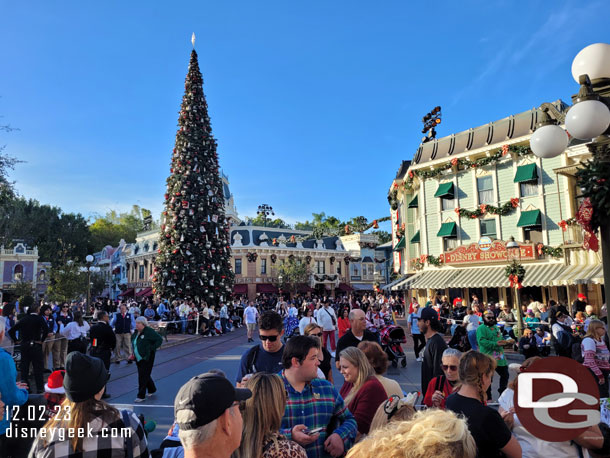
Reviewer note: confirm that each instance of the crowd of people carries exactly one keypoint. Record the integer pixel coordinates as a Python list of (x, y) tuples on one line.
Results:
[(283, 402)]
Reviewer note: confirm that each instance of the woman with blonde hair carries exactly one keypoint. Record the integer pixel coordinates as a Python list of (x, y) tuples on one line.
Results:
[(492, 436), (262, 417), (437, 433), (396, 408), (596, 355), (362, 392)]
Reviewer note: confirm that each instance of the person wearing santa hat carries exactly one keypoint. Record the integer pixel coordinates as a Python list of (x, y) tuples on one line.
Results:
[(54, 393), (579, 304)]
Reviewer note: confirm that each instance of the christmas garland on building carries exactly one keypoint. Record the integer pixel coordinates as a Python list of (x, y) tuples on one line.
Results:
[(487, 209), (594, 181), (251, 257), (463, 164), (515, 273)]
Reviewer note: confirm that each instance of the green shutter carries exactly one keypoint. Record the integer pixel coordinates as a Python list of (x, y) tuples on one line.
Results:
[(445, 190), (527, 172), (415, 238), (413, 203), (529, 218), (400, 245), (447, 230)]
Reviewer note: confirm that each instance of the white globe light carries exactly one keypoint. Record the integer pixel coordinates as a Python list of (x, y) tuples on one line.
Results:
[(549, 141), (587, 119), (594, 60), (89, 258)]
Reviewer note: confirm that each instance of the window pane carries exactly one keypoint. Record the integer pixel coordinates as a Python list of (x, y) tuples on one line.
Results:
[(449, 243), (485, 183), (486, 197), (448, 204), (529, 189), (238, 266), (488, 228), (263, 266)]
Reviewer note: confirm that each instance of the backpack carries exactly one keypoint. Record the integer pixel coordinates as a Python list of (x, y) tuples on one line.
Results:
[(577, 351)]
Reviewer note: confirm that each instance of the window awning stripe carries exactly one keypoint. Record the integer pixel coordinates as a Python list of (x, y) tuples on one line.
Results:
[(527, 172), (415, 238), (400, 245), (530, 218), (414, 202), (445, 190), (447, 230)]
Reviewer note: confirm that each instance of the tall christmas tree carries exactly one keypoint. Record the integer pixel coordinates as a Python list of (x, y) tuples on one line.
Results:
[(194, 249)]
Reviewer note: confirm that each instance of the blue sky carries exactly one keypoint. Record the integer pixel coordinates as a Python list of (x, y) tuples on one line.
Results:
[(314, 104)]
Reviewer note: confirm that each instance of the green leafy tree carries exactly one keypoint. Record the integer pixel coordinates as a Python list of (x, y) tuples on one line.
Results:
[(384, 236), (7, 187), (24, 291), (114, 226), (66, 282), (59, 236), (293, 273), (98, 283), (277, 222), (194, 248)]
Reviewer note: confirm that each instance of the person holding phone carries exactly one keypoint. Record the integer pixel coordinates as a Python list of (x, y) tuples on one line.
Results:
[(442, 386)]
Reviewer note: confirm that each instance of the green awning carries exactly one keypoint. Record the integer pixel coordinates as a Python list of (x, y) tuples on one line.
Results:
[(527, 172), (415, 238), (400, 245), (447, 230), (529, 218), (413, 203), (445, 190)]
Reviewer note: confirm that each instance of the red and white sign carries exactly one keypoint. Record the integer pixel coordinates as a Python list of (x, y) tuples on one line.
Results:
[(497, 253)]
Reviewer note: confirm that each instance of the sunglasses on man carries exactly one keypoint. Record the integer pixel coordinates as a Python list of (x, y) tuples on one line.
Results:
[(269, 338), (451, 367)]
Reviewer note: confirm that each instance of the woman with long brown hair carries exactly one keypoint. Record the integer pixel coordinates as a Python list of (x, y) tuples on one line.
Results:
[(262, 417), (84, 410), (492, 436)]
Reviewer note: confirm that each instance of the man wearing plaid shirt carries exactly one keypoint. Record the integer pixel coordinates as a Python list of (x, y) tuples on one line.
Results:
[(313, 403)]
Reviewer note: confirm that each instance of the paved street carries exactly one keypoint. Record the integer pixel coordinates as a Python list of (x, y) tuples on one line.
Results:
[(176, 364)]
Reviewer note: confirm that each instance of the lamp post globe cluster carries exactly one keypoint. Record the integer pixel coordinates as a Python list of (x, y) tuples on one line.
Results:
[(89, 269), (589, 120)]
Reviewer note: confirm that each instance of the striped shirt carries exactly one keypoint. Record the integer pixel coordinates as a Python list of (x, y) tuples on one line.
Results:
[(314, 407), (595, 355)]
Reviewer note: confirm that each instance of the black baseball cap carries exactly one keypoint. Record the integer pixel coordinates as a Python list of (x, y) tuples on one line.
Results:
[(207, 396), (429, 314)]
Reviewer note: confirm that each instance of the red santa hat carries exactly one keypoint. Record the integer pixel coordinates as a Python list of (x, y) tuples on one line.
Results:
[(582, 297), (55, 383)]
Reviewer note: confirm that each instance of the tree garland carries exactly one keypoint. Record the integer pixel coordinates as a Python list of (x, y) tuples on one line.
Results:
[(556, 252), (435, 261), (462, 163), (564, 223), (484, 209)]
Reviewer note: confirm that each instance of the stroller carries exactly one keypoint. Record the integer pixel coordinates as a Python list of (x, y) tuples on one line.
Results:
[(391, 339)]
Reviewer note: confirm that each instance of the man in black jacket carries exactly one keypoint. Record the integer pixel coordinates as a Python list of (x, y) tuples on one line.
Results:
[(103, 341), (430, 326), (356, 334), (33, 331)]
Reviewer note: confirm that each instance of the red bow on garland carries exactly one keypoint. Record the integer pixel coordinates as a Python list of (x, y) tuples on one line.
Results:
[(514, 280), (584, 217), (539, 249), (563, 225), (504, 150)]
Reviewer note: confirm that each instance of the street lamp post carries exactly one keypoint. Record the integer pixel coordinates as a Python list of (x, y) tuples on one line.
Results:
[(265, 210), (514, 255), (588, 119), (89, 260), (89, 269), (280, 279)]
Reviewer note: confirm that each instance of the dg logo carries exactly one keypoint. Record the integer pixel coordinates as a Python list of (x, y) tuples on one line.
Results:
[(557, 399)]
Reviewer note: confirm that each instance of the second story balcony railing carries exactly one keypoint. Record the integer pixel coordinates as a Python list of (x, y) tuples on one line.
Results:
[(573, 236)]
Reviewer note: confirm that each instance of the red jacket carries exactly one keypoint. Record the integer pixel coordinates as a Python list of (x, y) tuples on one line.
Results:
[(447, 390), (366, 402)]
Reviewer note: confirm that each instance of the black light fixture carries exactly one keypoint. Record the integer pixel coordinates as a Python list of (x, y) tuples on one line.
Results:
[(431, 120)]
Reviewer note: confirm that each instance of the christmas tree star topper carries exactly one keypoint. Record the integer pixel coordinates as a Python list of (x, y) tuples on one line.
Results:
[(193, 40)]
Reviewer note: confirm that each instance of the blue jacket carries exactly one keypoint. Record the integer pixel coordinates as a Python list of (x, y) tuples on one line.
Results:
[(11, 395)]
